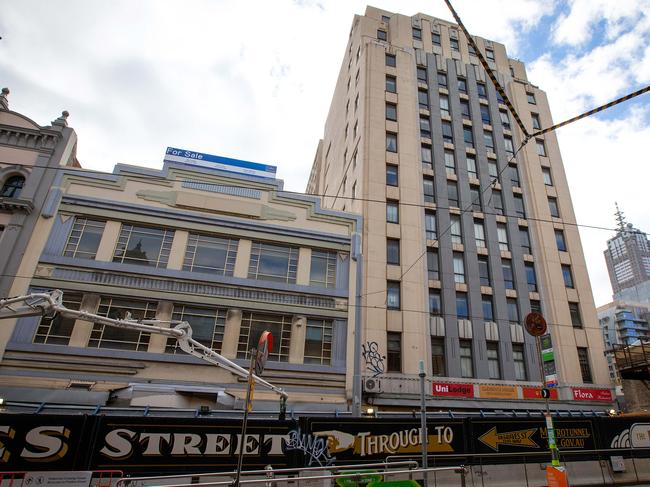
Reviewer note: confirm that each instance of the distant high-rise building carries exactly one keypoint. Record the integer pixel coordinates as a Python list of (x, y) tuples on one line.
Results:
[(628, 262), (463, 234)]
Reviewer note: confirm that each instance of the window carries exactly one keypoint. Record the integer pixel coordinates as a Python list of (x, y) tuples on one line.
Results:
[(447, 134), (468, 137), (442, 80), (508, 276), (454, 44), (435, 303), (392, 211), (417, 34), (391, 142), (567, 276), (323, 268), (433, 269), (385, 18), (494, 371), (452, 193), (471, 167), (423, 99), (552, 205), (493, 170), (497, 202), (12, 187), (518, 359), (489, 54), (576, 318), (270, 262), (585, 369), (470, 48), (214, 255), (505, 119), (535, 306), (438, 357), (520, 210), (479, 234), (252, 327), (143, 246), (392, 251), (462, 85), (382, 35), (394, 352), (422, 75), (482, 92), (531, 98), (464, 109), (391, 60), (510, 149), (466, 363), (514, 174), (456, 233), (119, 338), (444, 105), (208, 326), (500, 98), (435, 38), (513, 310), (462, 308), (427, 156), (560, 241), (524, 240), (531, 277), (475, 196), (430, 225), (459, 268), (485, 114), (541, 148), (484, 271), (488, 140), (425, 127), (84, 238), (546, 173), (56, 329), (391, 175), (536, 123), (427, 183), (318, 342), (391, 111), (393, 294), (391, 84)]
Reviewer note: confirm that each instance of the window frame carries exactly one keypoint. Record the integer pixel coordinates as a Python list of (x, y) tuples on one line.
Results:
[(390, 60), (393, 295), (393, 251)]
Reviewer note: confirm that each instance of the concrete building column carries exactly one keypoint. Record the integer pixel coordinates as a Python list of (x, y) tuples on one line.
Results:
[(82, 329), (304, 266), (231, 333), (164, 312), (298, 334), (243, 258), (108, 242), (177, 252)]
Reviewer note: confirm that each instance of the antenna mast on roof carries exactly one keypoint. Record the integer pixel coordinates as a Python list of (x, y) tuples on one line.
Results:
[(620, 218)]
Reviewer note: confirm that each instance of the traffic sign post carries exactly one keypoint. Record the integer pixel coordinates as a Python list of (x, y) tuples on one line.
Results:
[(536, 326)]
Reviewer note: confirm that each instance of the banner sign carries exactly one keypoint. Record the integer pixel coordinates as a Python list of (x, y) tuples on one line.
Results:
[(489, 391), (536, 393), (452, 389), (217, 162), (548, 361), (582, 394)]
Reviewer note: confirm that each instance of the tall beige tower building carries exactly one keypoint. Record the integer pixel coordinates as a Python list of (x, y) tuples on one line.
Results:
[(462, 238)]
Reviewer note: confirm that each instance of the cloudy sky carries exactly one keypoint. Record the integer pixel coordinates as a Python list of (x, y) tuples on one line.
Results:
[(253, 80)]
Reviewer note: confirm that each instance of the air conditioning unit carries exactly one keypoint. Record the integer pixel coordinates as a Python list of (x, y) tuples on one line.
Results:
[(372, 385)]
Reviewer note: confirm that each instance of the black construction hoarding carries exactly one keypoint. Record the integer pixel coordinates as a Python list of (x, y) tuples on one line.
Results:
[(353, 441)]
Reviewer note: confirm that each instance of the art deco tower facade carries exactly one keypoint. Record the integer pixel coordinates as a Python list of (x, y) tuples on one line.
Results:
[(461, 238)]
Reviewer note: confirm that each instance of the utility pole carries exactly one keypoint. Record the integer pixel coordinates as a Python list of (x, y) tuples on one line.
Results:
[(423, 423)]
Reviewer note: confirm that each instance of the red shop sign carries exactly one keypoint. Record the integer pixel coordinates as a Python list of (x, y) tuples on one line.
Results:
[(536, 393), (580, 394), (452, 389)]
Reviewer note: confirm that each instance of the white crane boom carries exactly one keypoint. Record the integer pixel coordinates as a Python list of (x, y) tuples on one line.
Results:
[(52, 302)]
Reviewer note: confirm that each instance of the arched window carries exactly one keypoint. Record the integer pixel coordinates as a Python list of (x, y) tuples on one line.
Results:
[(12, 187)]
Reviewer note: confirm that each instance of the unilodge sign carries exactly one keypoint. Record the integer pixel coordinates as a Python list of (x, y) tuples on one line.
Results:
[(217, 162)]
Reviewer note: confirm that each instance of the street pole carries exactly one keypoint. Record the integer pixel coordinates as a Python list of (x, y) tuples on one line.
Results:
[(423, 424), (550, 429), (242, 441)]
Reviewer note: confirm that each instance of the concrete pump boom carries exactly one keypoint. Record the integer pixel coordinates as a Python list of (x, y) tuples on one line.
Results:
[(52, 302)]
